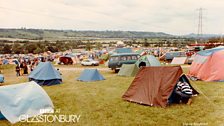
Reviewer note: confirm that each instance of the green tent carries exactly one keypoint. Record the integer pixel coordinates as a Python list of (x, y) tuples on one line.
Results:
[(104, 57), (148, 60), (129, 70)]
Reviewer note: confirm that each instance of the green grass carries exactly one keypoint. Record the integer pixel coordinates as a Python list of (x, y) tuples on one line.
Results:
[(100, 103)]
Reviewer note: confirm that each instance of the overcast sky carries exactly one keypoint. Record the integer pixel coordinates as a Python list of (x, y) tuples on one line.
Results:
[(171, 16)]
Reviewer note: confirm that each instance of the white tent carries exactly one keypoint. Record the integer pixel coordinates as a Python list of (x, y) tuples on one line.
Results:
[(179, 60), (23, 99)]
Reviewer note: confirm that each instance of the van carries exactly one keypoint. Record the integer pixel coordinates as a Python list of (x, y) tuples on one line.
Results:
[(116, 60)]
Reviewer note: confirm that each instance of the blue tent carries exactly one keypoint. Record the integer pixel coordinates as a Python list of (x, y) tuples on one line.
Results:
[(123, 50), (1, 116), (171, 55), (16, 61), (45, 74), (1, 78), (90, 75), (209, 52), (5, 61)]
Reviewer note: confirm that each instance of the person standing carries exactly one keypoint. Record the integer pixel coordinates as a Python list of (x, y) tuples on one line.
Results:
[(17, 70), (21, 68), (25, 68)]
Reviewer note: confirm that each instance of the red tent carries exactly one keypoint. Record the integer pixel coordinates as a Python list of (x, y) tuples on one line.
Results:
[(154, 85)]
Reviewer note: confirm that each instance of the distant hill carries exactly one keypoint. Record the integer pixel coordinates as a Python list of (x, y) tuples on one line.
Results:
[(40, 34)]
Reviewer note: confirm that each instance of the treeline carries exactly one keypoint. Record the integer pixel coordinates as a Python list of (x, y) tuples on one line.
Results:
[(34, 47), (24, 47)]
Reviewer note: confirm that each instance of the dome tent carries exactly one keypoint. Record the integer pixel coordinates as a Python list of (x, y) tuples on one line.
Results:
[(147, 60)]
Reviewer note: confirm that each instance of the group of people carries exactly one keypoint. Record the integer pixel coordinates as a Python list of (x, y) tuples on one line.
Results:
[(23, 68)]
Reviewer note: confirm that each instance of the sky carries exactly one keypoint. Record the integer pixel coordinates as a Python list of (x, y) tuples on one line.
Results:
[(177, 17)]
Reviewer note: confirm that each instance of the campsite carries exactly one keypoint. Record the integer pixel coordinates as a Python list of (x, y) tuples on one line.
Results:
[(130, 85), (100, 102), (111, 63)]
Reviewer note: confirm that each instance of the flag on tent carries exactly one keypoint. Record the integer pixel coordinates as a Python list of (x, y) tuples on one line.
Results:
[(128, 70), (90, 75), (45, 74), (23, 99)]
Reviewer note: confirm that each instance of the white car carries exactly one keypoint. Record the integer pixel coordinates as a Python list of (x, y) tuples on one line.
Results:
[(89, 62)]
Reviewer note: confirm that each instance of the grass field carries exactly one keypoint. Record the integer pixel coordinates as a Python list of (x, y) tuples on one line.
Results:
[(99, 103)]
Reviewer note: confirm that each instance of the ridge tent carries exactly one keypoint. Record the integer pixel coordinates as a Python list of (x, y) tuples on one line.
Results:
[(128, 70), (45, 74), (90, 75), (147, 60), (208, 65), (23, 100), (179, 60), (153, 86)]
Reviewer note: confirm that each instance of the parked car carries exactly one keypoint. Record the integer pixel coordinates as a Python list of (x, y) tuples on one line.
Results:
[(89, 62), (116, 60)]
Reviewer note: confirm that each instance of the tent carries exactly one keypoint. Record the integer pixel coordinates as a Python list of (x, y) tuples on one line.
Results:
[(147, 60), (16, 61), (90, 75), (171, 55), (128, 70), (104, 57), (1, 78), (5, 61), (208, 65), (67, 59), (45, 74), (23, 99), (179, 60), (153, 85), (123, 50)]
